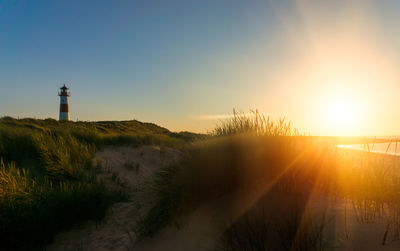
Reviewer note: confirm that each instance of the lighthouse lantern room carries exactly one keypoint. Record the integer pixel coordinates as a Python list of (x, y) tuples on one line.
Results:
[(64, 103)]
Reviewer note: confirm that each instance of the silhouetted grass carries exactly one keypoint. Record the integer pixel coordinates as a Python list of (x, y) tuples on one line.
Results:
[(222, 166), (167, 188), (266, 162), (287, 229), (254, 123), (369, 184), (262, 158)]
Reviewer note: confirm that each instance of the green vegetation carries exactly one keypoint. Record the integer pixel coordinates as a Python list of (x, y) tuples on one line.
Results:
[(259, 173), (34, 211), (49, 183)]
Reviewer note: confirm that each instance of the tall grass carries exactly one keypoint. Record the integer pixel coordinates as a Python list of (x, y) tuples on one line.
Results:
[(368, 182), (34, 210), (288, 229), (251, 155), (256, 162), (255, 123), (49, 183)]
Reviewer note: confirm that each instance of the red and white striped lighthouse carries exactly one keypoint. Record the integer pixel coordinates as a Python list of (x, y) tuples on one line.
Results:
[(64, 104)]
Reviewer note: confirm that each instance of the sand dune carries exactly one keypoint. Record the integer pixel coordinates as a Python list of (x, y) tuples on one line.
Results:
[(132, 167)]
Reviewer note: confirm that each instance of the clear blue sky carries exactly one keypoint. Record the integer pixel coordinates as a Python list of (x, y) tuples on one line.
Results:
[(180, 64)]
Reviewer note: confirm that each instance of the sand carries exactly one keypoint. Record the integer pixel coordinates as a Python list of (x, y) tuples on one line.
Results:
[(130, 168)]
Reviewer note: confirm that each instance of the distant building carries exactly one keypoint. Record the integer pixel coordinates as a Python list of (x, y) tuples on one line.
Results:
[(64, 103)]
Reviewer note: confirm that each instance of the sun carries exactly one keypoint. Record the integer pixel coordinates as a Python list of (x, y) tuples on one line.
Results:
[(341, 115)]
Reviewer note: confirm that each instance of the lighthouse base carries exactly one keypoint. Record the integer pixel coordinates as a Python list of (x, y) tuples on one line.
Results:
[(64, 115)]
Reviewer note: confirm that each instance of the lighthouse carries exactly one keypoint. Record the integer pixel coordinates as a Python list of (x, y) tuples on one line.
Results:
[(64, 104)]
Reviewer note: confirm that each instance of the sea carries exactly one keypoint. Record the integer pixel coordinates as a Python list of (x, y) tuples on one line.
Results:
[(392, 148)]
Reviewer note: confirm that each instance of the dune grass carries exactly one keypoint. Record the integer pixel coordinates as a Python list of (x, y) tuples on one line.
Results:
[(282, 230), (47, 179), (224, 166), (247, 153), (32, 211), (369, 184), (254, 123), (49, 176), (277, 169)]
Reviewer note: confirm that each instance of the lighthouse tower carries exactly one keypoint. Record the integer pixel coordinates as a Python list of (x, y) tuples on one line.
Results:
[(64, 104)]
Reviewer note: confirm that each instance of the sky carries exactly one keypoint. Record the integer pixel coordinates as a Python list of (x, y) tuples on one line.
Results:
[(330, 67)]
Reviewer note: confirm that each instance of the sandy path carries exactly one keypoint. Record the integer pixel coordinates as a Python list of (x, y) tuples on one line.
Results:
[(123, 168)]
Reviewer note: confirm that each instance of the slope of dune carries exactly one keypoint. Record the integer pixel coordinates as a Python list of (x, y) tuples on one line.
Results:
[(130, 169), (127, 169)]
